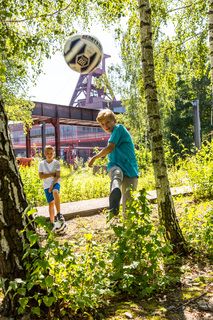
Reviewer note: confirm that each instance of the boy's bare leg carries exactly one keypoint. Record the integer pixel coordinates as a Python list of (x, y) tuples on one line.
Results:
[(59, 216), (52, 211), (56, 196)]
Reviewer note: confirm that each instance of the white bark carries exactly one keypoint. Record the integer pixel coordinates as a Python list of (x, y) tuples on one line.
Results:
[(166, 207), (210, 15)]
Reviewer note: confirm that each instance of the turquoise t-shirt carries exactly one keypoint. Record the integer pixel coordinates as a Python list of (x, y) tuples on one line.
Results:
[(123, 154)]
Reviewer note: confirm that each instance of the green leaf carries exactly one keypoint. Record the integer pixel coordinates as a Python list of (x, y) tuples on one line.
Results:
[(102, 264), (33, 237), (48, 300), (21, 291), (49, 281), (23, 302), (36, 310)]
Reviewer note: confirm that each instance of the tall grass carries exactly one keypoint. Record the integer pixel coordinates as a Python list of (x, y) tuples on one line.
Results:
[(200, 171), (76, 185), (82, 184)]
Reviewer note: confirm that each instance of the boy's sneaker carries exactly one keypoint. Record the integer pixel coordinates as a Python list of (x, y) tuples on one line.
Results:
[(59, 224), (60, 217), (114, 201)]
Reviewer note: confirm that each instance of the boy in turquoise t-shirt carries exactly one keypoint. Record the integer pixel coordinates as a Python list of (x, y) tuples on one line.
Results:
[(122, 165)]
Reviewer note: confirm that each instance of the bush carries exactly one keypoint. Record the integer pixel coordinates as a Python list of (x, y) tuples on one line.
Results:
[(80, 277), (139, 251), (33, 185), (199, 169), (196, 222)]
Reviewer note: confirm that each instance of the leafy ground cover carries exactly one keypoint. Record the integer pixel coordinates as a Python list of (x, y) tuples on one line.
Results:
[(188, 297)]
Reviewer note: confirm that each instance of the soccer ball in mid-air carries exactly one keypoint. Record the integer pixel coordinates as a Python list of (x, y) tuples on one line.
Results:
[(83, 53)]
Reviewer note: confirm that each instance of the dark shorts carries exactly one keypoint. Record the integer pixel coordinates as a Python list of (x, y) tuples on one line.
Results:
[(49, 195)]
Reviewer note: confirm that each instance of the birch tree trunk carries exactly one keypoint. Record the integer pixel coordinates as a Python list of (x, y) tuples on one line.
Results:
[(12, 205), (166, 207), (210, 15)]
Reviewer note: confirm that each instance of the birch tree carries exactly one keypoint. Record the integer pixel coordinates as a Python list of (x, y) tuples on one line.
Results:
[(166, 207), (210, 22), (12, 206)]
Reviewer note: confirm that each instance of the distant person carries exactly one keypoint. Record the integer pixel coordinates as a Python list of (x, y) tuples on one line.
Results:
[(122, 165), (49, 172)]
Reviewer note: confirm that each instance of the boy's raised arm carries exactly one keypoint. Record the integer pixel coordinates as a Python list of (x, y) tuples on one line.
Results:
[(105, 151)]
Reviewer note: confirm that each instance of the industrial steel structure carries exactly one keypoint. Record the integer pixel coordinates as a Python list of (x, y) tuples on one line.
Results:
[(72, 129)]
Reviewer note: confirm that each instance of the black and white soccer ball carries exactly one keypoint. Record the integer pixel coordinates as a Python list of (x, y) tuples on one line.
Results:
[(83, 53)]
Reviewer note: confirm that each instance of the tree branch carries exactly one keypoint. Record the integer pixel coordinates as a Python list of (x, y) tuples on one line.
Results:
[(181, 8), (37, 17), (192, 37), (183, 305)]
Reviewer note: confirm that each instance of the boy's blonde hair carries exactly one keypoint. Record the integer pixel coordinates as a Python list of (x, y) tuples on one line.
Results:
[(49, 147), (105, 114)]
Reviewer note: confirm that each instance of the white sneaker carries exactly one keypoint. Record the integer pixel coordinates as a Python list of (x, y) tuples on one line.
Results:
[(59, 225)]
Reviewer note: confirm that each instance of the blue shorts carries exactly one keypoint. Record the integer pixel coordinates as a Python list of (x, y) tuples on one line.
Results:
[(49, 195)]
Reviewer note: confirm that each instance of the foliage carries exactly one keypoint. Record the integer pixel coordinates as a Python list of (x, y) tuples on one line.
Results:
[(94, 186), (138, 252), (200, 171), (179, 124), (143, 156), (33, 31), (32, 184), (100, 161), (82, 275), (62, 276), (19, 109), (181, 69), (72, 188), (196, 224)]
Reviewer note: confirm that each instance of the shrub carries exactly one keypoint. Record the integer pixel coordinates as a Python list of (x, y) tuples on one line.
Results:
[(62, 277), (200, 171), (33, 186), (196, 223), (79, 277), (139, 251)]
